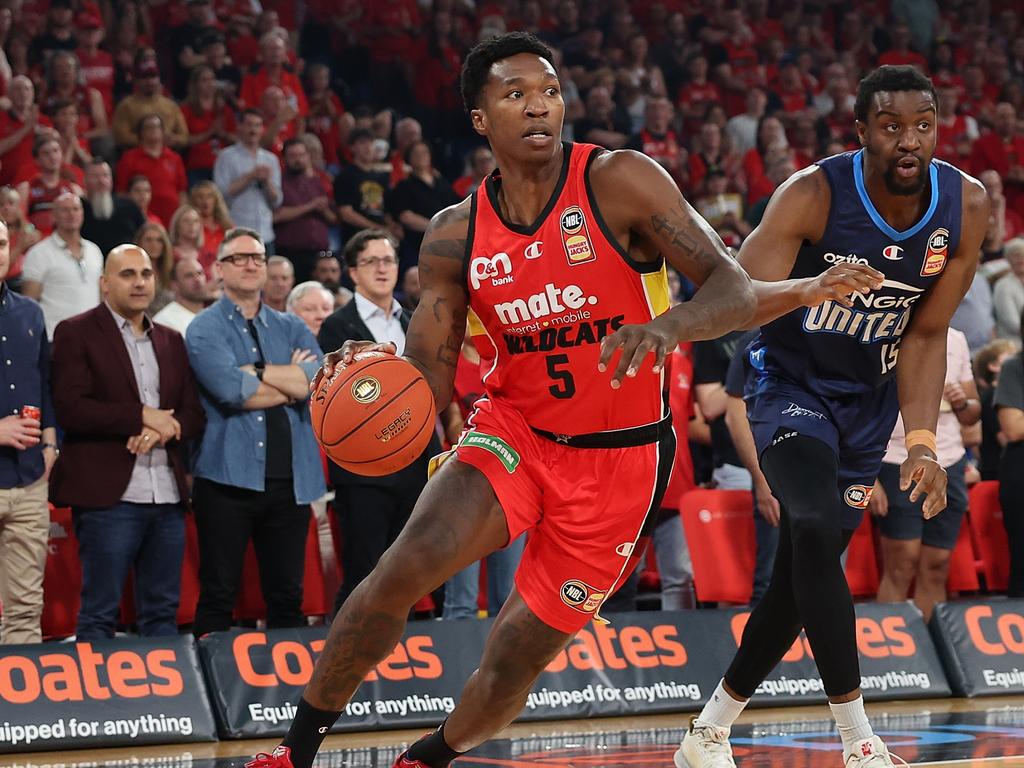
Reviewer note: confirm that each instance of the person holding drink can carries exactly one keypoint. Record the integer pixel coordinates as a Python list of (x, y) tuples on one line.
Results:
[(28, 449)]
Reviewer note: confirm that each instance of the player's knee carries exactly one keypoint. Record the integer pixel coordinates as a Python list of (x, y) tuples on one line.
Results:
[(813, 533), (901, 569)]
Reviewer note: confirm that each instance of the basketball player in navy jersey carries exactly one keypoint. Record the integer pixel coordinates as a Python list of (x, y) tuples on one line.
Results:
[(858, 266), (558, 260)]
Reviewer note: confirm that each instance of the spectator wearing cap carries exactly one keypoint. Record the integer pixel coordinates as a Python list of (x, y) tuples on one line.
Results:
[(160, 164), (97, 65), (28, 448), (301, 223), (186, 39), (62, 271), (280, 279), (110, 219), (360, 187), (147, 99), (274, 70), (59, 34), (250, 179), (127, 400), (20, 127)]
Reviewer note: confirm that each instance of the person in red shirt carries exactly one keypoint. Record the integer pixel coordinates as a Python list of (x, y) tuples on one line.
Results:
[(790, 89), (481, 163), (327, 118), (694, 97), (63, 84), (20, 126), (39, 192), (97, 65), (141, 193), (953, 128), (1004, 224), (158, 163), (282, 121), (408, 131), (900, 51), (74, 148), (211, 123), (274, 70), (1002, 150), (213, 210)]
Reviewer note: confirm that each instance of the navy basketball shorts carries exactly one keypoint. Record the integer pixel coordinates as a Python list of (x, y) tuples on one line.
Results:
[(905, 521), (856, 428)]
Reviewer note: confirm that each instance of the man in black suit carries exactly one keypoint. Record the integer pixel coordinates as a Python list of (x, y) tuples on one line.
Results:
[(371, 510), (110, 219)]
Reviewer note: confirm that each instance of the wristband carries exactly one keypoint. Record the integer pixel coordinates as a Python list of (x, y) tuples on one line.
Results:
[(923, 437)]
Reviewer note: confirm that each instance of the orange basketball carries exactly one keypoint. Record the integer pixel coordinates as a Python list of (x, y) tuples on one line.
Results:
[(375, 415)]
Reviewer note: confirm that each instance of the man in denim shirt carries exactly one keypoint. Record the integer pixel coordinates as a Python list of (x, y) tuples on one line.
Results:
[(259, 465), (27, 452)]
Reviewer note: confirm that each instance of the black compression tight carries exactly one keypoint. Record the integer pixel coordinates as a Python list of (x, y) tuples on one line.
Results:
[(808, 587)]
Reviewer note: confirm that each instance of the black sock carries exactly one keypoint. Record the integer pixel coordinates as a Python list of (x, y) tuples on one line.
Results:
[(433, 750), (307, 733)]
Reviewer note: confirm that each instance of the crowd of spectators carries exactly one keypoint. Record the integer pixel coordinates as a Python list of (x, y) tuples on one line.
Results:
[(298, 126)]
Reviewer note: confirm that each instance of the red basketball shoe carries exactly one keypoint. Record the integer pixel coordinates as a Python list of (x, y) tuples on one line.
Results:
[(281, 757), (403, 761)]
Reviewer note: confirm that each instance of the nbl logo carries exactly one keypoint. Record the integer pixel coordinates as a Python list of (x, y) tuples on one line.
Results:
[(858, 496), (572, 220), (580, 596)]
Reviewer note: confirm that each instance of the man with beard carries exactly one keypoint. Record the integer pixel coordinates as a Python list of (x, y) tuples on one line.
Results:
[(843, 349), (306, 213), (147, 99), (109, 220), (327, 271)]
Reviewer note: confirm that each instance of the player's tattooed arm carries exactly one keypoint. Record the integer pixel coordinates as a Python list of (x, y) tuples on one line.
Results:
[(434, 339), (646, 213)]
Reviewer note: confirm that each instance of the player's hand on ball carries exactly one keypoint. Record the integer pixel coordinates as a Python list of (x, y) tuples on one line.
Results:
[(636, 342), (923, 471), (838, 282), (346, 354)]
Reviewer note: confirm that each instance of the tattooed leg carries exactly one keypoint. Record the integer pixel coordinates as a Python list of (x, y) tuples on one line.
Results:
[(520, 646), (457, 521)]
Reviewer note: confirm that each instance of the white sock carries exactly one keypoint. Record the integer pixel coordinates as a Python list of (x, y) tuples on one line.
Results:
[(853, 723), (721, 709)]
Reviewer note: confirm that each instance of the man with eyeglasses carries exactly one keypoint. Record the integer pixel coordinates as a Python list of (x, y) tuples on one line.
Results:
[(258, 467), (62, 272), (374, 313)]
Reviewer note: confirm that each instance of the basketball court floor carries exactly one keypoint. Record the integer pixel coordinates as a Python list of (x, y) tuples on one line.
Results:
[(986, 733)]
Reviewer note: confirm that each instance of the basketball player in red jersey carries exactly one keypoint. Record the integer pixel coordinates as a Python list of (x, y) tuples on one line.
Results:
[(558, 260)]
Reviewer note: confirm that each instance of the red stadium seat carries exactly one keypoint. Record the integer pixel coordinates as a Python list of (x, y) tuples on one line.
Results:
[(62, 580), (189, 574), (861, 562), (963, 566), (986, 520), (720, 532)]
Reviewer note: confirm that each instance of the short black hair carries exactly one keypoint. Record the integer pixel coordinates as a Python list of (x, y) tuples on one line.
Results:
[(356, 244), (478, 62), (891, 77)]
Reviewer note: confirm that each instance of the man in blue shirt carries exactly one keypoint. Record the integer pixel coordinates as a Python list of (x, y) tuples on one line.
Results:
[(259, 465), (28, 448)]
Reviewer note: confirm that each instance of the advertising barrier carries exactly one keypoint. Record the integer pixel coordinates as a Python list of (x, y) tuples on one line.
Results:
[(640, 663), (111, 693), (982, 645), (898, 659)]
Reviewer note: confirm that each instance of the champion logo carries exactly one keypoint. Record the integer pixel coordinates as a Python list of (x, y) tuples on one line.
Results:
[(892, 252), (534, 250)]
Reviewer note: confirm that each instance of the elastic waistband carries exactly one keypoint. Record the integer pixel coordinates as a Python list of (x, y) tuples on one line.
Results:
[(619, 438)]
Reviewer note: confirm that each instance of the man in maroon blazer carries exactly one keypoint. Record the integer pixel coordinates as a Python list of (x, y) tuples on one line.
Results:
[(126, 398)]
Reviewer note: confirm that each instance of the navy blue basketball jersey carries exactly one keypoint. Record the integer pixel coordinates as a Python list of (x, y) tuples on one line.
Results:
[(835, 350)]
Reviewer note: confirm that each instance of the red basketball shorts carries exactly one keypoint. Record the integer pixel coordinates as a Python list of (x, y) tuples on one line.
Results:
[(584, 508)]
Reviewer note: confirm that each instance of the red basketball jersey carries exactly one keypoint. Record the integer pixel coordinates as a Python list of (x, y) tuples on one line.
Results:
[(542, 297)]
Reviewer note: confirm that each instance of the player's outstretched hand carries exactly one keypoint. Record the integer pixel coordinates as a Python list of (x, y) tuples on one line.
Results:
[(838, 282), (345, 355), (923, 471), (636, 342)]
